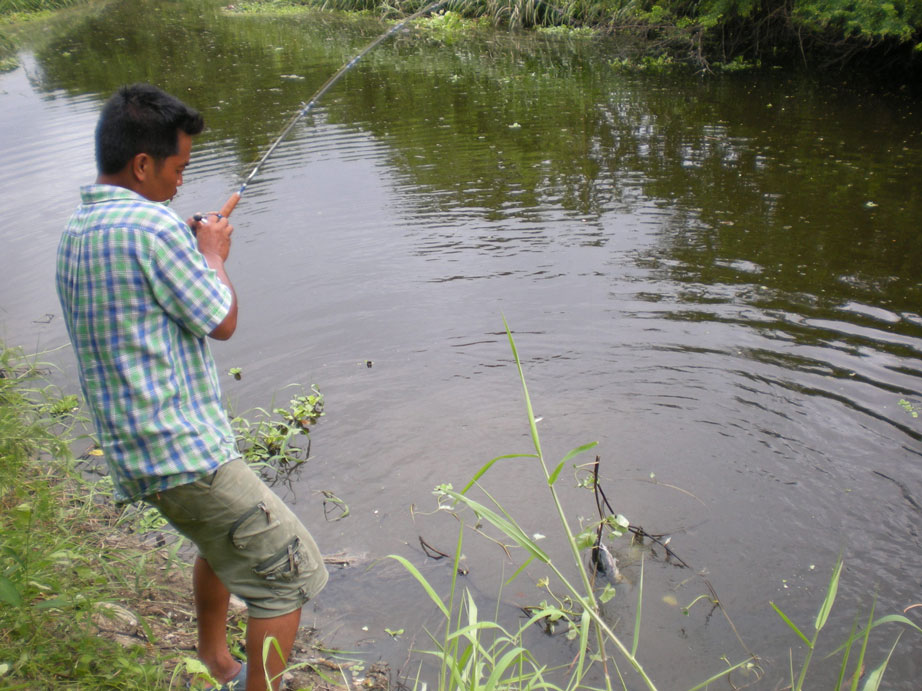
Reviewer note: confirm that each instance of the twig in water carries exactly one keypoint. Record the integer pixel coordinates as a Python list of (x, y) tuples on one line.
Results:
[(431, 551)]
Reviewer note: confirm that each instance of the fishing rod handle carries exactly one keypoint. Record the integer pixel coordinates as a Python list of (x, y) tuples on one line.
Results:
[(230, 204)]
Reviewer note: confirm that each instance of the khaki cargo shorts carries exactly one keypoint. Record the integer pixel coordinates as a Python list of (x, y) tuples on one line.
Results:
[(258, 548)]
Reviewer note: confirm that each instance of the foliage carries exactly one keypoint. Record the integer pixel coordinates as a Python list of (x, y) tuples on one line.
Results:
[(706, 31), (52, 576), (475, 653), (856, 636), (29, 412), (84, 604), (8, 7), (265, 440)]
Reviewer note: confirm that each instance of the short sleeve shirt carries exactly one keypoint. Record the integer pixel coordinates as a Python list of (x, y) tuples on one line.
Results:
[(139, 300)]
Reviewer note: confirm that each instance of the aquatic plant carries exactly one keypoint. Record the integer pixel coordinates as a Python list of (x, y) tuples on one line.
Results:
[(271, 440), (478, 653)]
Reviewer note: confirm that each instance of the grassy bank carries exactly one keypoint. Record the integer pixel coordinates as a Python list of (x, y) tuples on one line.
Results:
[(57, 569), (92, 596), (15, 18), (824, 35)]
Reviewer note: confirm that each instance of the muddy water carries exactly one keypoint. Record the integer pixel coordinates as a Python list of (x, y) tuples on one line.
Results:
[(717, 280)]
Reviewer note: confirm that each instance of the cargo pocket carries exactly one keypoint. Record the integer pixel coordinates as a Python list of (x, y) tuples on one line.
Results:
[(255, 523), (283, 566)]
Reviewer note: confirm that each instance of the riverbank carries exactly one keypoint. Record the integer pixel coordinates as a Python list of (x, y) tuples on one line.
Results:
[(94, 596), (846, 39), (23, 21)]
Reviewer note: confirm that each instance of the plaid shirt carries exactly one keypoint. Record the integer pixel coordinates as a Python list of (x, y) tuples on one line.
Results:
[(139, 300)]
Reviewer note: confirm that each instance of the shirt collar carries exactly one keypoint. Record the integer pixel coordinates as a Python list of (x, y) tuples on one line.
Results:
[(96, 194)]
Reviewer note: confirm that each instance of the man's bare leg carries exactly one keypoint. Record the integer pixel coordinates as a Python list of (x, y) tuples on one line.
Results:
[(211, 602), (283, 628)]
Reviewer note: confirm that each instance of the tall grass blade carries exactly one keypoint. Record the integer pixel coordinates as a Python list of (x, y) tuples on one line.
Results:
[(790, 623), (876, 675), (506, 526), (719, 675), (583, 647), (531, 413), (513, 656), (889, 619), (489, 465), (830, 598), (451, 600), (848, 649), (519, 570), (575, 452), (864, 647), (422, 581), (637, 616), (554, 475)]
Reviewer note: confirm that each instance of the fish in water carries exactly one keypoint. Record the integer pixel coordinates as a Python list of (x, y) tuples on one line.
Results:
[(604, 562)]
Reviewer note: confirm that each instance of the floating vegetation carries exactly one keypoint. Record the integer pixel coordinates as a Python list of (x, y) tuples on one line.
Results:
[(280, 440)]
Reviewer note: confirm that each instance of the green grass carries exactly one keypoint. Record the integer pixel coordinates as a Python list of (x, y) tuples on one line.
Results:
[(85, 601), (475, 653), (18, 20), (8, 7), (54, 569)]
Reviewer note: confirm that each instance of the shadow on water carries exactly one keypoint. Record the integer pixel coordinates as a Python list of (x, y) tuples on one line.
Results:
[(717, 279)]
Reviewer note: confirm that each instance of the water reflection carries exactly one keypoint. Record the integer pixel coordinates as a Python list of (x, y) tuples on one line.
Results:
[(717, 279)]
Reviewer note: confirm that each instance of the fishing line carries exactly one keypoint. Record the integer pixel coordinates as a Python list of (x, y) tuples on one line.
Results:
[(307, 107)]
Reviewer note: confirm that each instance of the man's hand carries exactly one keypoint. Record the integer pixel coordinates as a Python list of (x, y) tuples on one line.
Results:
[(213, 232)]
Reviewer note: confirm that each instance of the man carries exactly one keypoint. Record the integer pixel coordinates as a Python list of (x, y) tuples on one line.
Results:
[(140, 290)]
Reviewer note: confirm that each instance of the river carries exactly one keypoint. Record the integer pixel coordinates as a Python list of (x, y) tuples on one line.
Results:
[(717, 278)]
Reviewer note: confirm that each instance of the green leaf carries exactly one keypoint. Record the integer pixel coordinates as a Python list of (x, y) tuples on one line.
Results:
[(637, 616), (9, 593), (717, 676), (876, 675), (585, 539), (791, 624), (607, 594), (831, 591), (553, 478), (578, 450), (489, 464), (575, 452), (507, 526), (423, 582)]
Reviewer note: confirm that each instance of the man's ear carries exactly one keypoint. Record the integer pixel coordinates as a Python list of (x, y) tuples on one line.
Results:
[(142, 166)]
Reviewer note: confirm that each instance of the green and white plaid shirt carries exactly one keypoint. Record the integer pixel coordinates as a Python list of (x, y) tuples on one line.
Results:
[(139, 300)]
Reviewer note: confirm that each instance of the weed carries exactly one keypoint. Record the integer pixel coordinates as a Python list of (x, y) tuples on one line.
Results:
[(51, 578), (474, 653), (277, 442)]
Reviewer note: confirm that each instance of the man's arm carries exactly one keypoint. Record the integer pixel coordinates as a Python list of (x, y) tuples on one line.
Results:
[(213, 235)]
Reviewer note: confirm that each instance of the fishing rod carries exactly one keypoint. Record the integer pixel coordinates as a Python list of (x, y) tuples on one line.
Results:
[(307, 107)]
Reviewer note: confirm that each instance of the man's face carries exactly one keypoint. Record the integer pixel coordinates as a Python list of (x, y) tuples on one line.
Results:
[(166, 177)]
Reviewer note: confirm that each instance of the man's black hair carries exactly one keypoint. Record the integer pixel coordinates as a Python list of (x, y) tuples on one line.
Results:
[(141, 119)]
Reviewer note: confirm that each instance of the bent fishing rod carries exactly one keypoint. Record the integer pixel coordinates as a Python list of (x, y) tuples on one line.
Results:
[(307, 107)]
